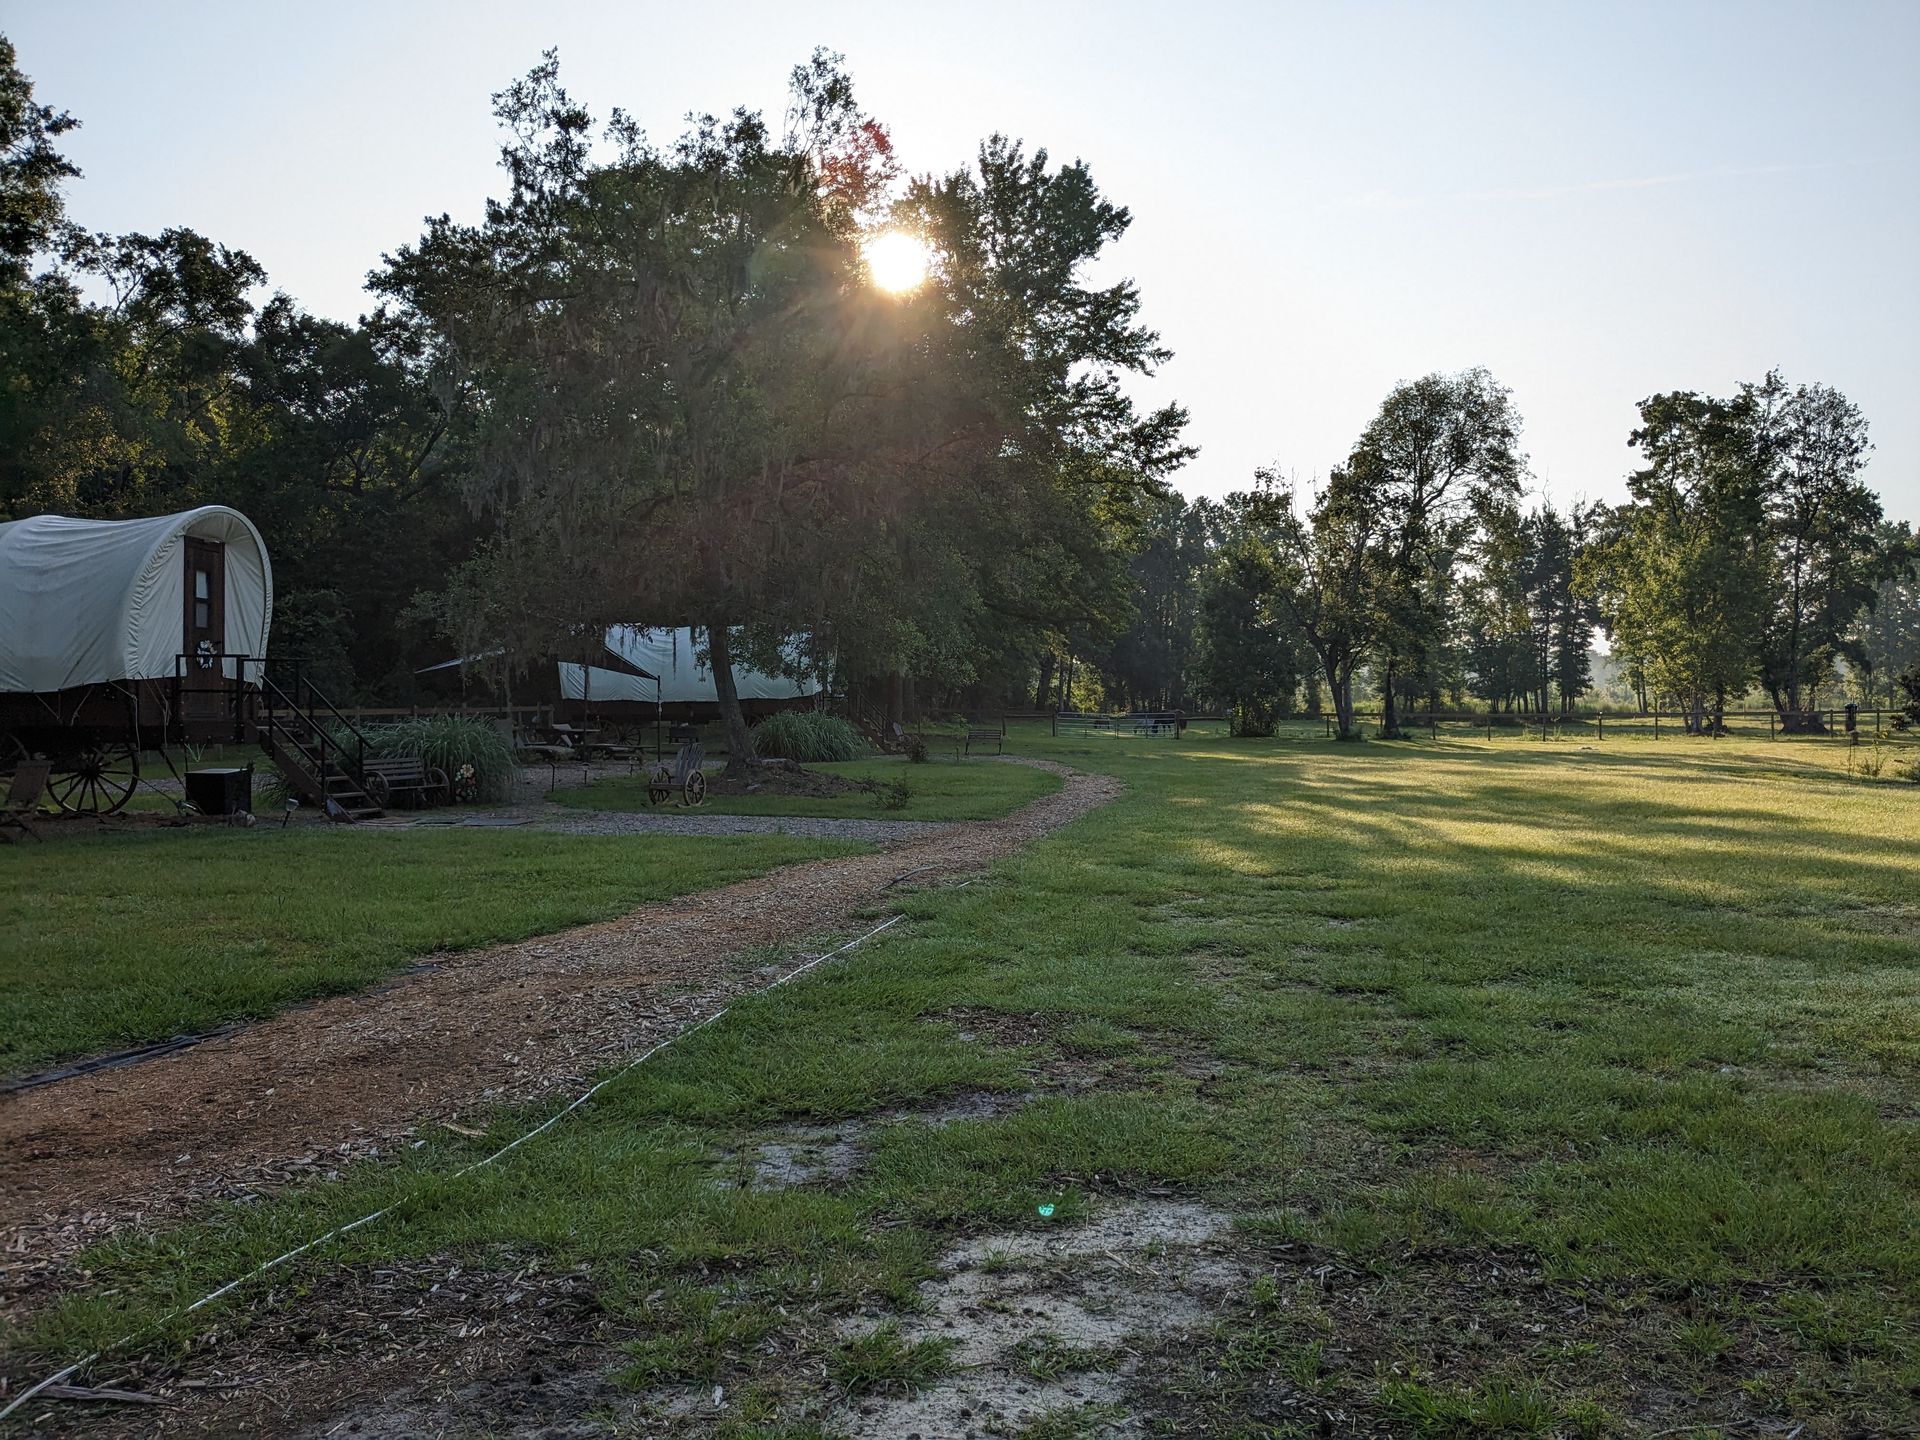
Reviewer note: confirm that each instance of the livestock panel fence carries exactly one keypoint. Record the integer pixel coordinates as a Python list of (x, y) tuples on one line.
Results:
[(1853, 725)]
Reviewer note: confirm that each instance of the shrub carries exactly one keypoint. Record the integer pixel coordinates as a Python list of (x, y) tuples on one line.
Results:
[(1254, 719), (1867, 761), (1909, 701), (892, 794), (916, 747), (807, 737), (270, 788)]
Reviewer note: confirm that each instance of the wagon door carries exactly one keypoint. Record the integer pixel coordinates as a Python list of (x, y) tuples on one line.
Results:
[(204, 695)]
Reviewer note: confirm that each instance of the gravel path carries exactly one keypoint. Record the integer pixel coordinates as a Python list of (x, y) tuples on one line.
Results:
[(312, 1089)]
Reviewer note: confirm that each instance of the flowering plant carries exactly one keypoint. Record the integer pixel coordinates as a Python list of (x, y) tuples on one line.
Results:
[(466, 784)]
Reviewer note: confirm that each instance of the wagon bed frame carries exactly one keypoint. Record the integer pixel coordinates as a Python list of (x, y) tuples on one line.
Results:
[(95, 735)]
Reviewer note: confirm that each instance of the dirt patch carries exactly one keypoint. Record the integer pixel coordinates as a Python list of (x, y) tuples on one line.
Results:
[(1003, 1027), (353, 1077), (1317, 1341), (827, 1154), (807, 1156), (408, 1349), (1054, 1322)]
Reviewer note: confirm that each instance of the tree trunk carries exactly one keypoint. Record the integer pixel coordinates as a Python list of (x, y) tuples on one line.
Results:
[(1389, 716), (1313, 694), (897, 699), (1341, 686), (1041, 691), (739, 745)]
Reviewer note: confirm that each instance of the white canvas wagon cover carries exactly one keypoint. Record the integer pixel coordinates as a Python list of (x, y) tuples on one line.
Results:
[(667, 655), (85, 601)]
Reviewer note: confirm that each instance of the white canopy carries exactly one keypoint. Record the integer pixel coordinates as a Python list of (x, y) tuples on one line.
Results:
[(667, 654), (604, 684), (84, 601)]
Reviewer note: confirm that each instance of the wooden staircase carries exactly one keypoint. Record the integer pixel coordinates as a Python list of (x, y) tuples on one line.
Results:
[(321, 765)]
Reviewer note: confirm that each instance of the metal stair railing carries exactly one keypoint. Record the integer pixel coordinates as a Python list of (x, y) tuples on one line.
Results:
[(326, 748)]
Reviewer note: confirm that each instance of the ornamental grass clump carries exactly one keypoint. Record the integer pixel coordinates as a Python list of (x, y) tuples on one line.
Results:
[(807, 737), (449, 743)]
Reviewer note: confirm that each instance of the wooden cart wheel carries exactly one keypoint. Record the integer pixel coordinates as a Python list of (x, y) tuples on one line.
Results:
[(659, 785), (98, 778), (12, 751), (696, 788), (378, 790)]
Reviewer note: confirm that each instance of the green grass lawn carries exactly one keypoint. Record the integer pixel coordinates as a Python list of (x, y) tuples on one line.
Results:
[(938, 790), (1556, 1089), (118, 940)]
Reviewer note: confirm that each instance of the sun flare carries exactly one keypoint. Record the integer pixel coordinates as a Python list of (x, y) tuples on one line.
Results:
[(896, 260)]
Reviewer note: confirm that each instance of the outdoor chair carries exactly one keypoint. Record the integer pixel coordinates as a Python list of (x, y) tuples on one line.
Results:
[(29, 783)]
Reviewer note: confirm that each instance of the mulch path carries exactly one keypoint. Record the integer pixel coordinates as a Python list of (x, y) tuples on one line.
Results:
[(349, 1078)]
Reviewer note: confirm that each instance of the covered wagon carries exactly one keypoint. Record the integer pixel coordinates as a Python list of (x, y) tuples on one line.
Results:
[(124, 636)]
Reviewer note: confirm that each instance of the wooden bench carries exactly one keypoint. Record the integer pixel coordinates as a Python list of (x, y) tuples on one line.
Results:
[(982, 736), (404, 775)]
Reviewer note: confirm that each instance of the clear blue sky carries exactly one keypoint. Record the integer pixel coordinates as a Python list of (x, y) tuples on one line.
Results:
[(1596, 202)]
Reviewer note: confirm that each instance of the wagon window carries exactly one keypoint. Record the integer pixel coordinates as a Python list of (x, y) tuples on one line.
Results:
[(202, 606)]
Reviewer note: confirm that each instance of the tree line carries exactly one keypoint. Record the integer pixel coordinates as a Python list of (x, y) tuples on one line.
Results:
[(655, 383), (1750, 556)]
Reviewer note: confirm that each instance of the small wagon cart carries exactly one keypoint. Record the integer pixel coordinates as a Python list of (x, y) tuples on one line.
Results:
[(684, 776)]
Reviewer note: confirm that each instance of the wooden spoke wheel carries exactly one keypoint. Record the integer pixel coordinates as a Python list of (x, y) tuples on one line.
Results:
[(696, 788), (12, 751), (659, 785), (378, 790), (96, 778)]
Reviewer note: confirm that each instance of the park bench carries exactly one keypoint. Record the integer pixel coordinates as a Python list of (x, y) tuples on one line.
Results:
[(404, 775), (29, 782), (982, 737), (529, 748)]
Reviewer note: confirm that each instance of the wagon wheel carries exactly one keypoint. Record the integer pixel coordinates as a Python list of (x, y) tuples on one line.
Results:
[(696, 788), (378, 790), (98, 778), (659, 785), (12, 751)]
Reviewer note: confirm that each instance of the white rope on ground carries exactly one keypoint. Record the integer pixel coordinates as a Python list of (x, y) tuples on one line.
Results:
[(368, 1219)]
